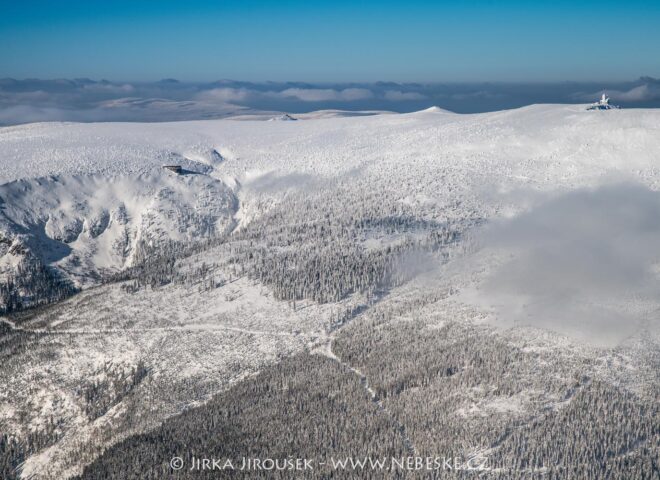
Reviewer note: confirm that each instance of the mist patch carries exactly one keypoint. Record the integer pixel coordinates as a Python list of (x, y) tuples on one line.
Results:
[(584, 264)]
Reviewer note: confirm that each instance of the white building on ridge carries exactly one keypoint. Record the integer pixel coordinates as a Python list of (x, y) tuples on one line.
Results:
[(602, 104)]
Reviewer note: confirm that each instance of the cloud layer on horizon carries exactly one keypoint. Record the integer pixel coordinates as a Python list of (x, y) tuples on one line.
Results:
[(86, 100)]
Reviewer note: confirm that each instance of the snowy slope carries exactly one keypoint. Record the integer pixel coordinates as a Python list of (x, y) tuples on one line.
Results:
[(87, 223), (89, 192), (565, 134), (81, 198)]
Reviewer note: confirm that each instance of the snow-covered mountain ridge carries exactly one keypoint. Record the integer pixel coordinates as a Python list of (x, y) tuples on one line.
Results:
[(81, 196), (545, 132), (361, 240)]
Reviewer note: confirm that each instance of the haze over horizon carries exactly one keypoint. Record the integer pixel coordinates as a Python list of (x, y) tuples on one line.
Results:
[(296, 56), (85, 100)]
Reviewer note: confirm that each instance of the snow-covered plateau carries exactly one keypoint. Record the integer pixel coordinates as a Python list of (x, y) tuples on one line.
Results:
[(483, 286)]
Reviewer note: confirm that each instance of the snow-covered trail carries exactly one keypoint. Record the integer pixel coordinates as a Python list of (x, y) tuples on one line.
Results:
[(326, 350), (185, 328), (10, 324)]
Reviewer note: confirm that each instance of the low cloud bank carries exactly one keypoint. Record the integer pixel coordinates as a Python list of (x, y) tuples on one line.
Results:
[(584, 264), (85, 100), (645, 92)]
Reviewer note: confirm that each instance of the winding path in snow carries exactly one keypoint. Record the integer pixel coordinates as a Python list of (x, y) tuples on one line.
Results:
[(326, 350), (191, 328)]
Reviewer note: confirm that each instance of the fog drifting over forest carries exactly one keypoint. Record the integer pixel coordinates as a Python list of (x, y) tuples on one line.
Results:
[(583, 263)]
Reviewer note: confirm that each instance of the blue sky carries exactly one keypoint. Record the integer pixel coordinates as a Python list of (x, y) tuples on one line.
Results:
[(336, 41)]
